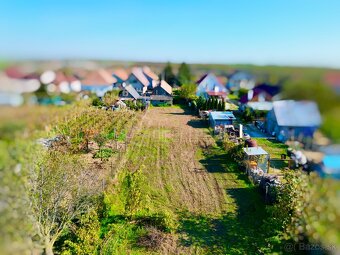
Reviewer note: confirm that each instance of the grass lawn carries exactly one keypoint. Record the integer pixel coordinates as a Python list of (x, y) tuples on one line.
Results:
[(275, 149), (209, 204)]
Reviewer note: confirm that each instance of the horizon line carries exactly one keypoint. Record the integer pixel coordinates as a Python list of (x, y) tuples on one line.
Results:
[(23, 59)]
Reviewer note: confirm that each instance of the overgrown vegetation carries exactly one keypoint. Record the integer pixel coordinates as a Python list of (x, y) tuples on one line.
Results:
[(307, 211), (165, 188), (58, 184)]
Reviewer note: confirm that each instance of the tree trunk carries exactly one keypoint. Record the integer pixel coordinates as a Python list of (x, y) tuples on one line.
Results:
[(48, 247)]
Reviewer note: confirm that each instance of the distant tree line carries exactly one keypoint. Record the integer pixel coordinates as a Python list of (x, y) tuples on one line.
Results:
[(183, 76)]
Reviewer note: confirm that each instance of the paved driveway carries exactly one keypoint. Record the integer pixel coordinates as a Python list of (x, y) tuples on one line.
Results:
[(254, 131)]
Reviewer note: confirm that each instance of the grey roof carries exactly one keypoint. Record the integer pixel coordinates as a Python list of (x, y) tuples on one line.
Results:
[(132, 91), (255, 151), (222, 115), (262, 106), (160, 97), (166, 86), (297, 113)]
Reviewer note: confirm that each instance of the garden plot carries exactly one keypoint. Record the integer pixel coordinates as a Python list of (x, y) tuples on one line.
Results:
[(213, 207)]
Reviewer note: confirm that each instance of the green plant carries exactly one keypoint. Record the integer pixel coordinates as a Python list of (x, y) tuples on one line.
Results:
[(103, 153), (100, 140), (97, 102), (131, 189), (168, 74), (184, 74), (223, 106), (200, 103), (57, 187), (188, 91), (306, 205), (111, 97), (248, 114), (86, 236), (209, 104)]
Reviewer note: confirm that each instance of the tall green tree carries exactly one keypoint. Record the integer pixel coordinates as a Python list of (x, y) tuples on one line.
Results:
[(184, 74), (58, 186), (200, 102), (209, 105), (220, 106), (188, 91), (215, 104), (223, 106), (168, 75)]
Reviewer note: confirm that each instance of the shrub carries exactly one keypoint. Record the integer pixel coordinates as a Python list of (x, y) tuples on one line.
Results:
[(86, 234), (97, 102), (188, 91), (111, 97), (104, 153)]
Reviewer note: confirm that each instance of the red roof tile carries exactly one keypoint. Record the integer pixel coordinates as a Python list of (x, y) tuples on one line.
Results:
[(213, 93), (99, 77), (121, 73), (333, 79)]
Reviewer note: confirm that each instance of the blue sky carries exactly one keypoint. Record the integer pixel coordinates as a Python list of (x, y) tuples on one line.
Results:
[(288, 32)]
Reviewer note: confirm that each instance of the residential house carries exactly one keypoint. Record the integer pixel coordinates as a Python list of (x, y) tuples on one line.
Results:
[(291, 119), (121, 76), (152, 78), (138, 80), (60, 81), (240, 80), (333, 79), (99, 82), (161, 94), (129, 93), (260, 98), (14, 82), (209, 86)]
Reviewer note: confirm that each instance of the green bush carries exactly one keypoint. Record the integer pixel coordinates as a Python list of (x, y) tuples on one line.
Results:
[(86, 236), (103, 153), (97, 102), (307, 210)]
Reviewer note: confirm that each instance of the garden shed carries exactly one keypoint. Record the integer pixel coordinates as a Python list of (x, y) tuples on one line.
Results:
[(256, 160), (221, 118)]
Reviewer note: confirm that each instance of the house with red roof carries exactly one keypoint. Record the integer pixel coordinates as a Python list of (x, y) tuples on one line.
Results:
[(333, 79), (99, 82), (121, 76), (209, 85)]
